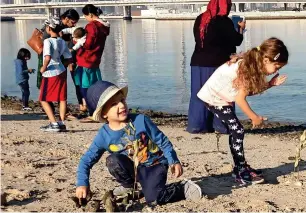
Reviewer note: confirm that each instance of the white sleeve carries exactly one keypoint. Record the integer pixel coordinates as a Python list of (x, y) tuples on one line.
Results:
[(66, 53), (79, 43), (68, 30), (47, 48)]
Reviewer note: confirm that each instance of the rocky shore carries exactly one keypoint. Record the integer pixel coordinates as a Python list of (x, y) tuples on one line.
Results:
[(174, 120)]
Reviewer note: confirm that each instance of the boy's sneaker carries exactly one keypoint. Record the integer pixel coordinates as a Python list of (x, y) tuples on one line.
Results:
[(245, 177), (27, 109), (122, 191), (62, 127), (192, 191), (50, 128)]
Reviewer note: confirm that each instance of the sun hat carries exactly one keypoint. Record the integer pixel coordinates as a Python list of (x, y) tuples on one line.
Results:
[(99, 93), (53, 22)]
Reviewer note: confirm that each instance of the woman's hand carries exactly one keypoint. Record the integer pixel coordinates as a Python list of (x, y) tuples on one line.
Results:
[(82, 191), (241, 26), (176, 170), (277, 80), (43, 69), (71, 67)]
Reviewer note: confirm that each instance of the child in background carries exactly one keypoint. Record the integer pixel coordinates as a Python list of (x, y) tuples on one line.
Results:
[(22, 76), (233, 82), (123, 131), (54, 83)]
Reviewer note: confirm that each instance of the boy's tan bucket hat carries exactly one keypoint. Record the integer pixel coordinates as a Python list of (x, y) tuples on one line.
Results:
[(99, 93)]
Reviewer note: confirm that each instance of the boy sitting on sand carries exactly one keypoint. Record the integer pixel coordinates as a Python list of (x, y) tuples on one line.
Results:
[(133, 141)]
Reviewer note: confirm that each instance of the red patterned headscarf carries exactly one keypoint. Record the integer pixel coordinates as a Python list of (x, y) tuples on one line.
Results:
[(214, 8)]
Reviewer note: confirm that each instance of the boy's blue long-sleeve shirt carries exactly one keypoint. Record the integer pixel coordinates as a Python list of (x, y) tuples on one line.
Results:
[(21, 71), (112, 141)]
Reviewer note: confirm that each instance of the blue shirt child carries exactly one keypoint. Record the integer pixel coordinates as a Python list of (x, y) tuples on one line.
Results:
[(21, 71), (155, 147)]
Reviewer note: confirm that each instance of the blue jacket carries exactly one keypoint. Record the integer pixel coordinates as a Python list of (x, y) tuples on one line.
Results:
[(155, 147), (21, 71)]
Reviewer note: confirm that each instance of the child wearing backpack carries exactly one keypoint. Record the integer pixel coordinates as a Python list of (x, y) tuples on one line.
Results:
[(244, 76), (136, 146)]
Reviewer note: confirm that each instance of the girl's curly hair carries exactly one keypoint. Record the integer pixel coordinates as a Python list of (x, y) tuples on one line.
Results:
[(251, 74)]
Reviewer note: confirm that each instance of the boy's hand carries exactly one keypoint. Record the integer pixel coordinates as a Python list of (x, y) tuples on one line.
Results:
[(176, 170), (277, 80), (256, 121), (81, 191), (31, 70)]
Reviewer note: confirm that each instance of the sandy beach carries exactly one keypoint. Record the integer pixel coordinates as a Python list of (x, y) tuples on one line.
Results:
[(38, 169)]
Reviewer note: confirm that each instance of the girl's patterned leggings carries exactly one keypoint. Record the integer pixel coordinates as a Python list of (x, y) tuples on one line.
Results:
[(236, 131)]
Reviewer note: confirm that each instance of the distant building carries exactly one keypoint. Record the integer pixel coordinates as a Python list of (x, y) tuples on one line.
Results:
[(253, 7), (267, 6), (7, 1)]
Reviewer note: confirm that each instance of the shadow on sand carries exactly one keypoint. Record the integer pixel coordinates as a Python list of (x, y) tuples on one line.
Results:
[(23, 117), (215, 185)]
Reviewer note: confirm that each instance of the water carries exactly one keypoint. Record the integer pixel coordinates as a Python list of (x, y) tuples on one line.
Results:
[(153, 58)]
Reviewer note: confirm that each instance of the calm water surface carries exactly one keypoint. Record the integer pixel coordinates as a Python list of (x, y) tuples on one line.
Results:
[(153, 58)]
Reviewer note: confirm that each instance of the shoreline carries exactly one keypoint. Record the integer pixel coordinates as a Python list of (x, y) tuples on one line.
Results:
[(287, 129)]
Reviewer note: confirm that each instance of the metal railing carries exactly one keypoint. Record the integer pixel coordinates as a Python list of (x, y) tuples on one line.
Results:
[(129, 3)]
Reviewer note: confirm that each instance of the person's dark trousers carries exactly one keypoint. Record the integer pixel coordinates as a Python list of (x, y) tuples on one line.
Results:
[(84, 94), (90, 110), (25, 90), (77, 90), (152, 179), (200, 119)]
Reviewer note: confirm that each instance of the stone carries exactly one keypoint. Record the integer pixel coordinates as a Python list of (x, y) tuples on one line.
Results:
[(3, 199)]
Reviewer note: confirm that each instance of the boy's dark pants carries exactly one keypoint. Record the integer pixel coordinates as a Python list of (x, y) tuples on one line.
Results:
[(24, 86), (152, 179)]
